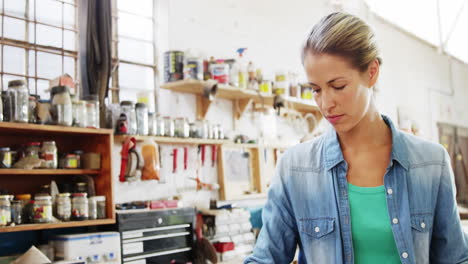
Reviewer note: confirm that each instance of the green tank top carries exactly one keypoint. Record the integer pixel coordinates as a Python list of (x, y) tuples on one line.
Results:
[(373, 240)]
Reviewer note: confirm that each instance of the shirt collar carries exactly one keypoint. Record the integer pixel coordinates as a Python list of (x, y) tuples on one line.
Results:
[(334, 155)]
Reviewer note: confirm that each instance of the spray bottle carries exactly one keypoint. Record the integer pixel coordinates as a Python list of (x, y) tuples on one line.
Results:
[(239, 71)]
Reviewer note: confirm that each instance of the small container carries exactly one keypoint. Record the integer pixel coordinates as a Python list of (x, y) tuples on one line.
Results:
[(32, 108), (17, 212), (101, 206), (62, 107), (152, 127), (7, 107), (45, 189), (92, 114), (220, 72), (49, 155), (79, 154), (70, 161), (42, 209), (80, 207), (33, 149), (202, 129), (142, 119), (5, 158), (79, 114), (215, 130), (265, 87), (92, 208), (128, 109), (5, 210), (193, 131), (63, 206), (160, 128), (20, 101), (81, 187), (220, 132), (182, 128), (168, 127), (28, 207), (43, 112)]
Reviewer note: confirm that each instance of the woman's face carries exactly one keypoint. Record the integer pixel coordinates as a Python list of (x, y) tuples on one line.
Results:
[(342, 92)]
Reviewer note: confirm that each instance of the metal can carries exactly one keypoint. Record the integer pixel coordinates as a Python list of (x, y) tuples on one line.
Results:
[(63, 206), (220, 72), (173, 66), (194, 69), (42, 209)]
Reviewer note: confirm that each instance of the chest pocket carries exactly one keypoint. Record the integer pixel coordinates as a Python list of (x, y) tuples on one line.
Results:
[(317, 227), (421, 222)]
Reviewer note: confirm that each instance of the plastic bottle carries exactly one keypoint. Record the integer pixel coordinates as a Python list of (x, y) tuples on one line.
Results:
[(239, 71)]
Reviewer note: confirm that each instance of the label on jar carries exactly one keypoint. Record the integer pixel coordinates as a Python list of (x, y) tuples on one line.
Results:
[(71, 164), (64, 211), (5, 217), (43, 213), (6, 162)]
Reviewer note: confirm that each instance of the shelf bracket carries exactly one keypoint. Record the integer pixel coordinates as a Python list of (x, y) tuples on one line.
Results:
[(240, 106), (203, 104)]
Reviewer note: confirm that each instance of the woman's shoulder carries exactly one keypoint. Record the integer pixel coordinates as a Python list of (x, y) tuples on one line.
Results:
[(421, 151), (306, 155)]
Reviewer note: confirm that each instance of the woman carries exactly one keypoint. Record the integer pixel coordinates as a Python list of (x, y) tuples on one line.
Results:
[(364, 192)]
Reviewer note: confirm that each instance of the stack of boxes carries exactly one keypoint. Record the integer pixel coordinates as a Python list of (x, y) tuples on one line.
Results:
[(225, 228)]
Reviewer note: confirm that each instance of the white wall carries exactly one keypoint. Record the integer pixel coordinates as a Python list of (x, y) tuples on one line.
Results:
[(414, 77)]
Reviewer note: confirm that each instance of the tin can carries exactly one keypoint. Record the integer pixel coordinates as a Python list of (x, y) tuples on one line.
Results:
[(194, 69), (173, 66), (220, 72)]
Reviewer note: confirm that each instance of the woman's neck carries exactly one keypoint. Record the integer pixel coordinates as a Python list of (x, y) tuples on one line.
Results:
[(369, 133)]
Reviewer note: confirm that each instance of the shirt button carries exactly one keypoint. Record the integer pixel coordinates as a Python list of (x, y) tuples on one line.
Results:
[(423, 225), (317, 229), (404, 255), (389, 191), (395, 221)]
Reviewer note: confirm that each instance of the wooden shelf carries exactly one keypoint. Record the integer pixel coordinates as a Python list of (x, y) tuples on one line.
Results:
[(174, 140), (41, 129), (48, 172), (242, 98), (31, 227)]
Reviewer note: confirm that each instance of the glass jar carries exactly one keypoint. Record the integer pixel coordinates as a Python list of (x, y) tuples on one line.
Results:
[(69, 161), (5, 210), (81, 187), (5, 158), (7, 105), (33, 149), (202, 128), (79, 156), (160, 128), (128, 109), (79, 114), (49, 155), (215, 133), (220, 132), (42, 211), (79, 207), (20, 101), (92, 114), (193, 131), (28, 207), (43, 112), (101, 207), (92, 208), (17, 212), (62, 108), (168, 126), (142, 119), (32, 108), (152, 127), (182, 128), (63, 206)]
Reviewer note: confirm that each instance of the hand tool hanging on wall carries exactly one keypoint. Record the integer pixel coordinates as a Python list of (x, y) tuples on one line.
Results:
[(214, 149), (202, 149), (150, 153), (174, 160), (185, 158), (130, 160)]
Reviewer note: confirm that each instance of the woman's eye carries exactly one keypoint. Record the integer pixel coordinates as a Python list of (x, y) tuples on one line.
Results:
[(315, 90), (339, 87)]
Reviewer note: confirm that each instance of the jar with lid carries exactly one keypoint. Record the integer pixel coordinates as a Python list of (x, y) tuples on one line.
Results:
[(92, 208), (49, 154), (215, 130), (202, 128), (20, 101), (17, 212), (42, 209), (220, 131), (43, 112), (7, 106), (33, 149), (101, 206), (5, 210), (79, 156), (32, 108), (63, 206), (168, 126), (142, 119), (62, 109), (79, 113), (193, 131), (92, 114), (69, 161), (5, 158), (81, 187), (182, 128), (28, 207), (152, 126), (160, 128), (128, 109), (79, 207)]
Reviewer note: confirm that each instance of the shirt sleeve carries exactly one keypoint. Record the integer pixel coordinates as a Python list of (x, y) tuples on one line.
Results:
[(277, 241), (449, 243)]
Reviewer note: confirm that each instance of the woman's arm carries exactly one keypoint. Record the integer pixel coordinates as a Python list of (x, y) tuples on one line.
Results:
[(449, 243), (278, 238)]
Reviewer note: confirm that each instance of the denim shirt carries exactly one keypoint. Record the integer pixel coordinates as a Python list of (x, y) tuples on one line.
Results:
[(308, 205)]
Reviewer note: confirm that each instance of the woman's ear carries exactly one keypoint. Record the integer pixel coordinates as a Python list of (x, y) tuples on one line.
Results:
[(373, 72)]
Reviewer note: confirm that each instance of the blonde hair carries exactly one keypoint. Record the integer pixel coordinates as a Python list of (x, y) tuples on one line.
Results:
[(343, 35)]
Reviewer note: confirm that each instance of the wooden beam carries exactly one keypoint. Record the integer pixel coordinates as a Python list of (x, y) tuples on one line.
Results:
[(240, 106), (222, 190), (203, 105)]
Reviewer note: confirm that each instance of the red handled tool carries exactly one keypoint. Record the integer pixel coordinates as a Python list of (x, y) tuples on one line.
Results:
[(128, 147), (202, 147), (174, 160), (185, 158), (214, 149)]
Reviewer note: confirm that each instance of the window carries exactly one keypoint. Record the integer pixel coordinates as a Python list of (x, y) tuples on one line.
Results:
[(133, 50), (38, 42)]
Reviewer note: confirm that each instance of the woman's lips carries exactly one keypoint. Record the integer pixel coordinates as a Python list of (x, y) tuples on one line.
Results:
[(334, 118)]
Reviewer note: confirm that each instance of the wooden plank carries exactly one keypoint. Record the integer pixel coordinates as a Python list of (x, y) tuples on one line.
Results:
[(30, 227), (174, 140), (221, 179), (41, 129), (48, 172)]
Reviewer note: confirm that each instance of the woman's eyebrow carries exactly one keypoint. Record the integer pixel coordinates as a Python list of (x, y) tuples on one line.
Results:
[(335, 79)]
